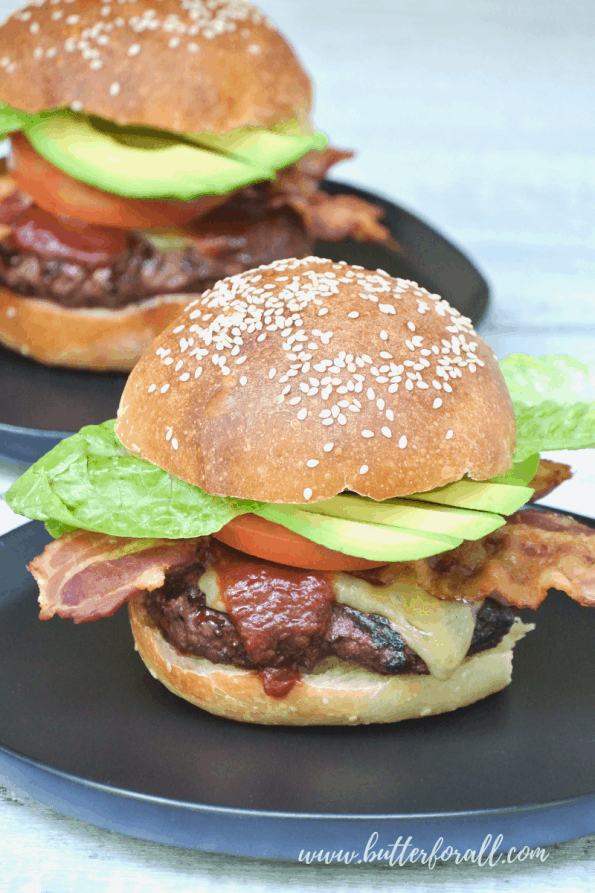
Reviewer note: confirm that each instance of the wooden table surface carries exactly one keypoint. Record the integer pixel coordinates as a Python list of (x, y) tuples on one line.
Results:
[(479, 117)]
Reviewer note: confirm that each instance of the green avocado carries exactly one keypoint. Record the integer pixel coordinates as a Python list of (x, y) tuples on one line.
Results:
[(521, 472), (261, 147), (11, 119), (377, 542), (136, 162), (484, 496), (411, 515)]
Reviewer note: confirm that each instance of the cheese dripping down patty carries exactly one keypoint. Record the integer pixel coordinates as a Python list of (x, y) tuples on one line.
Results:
[(440, 632)]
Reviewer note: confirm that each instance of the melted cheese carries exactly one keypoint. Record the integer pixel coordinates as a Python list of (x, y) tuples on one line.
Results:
[(439, 631), (209, 584)]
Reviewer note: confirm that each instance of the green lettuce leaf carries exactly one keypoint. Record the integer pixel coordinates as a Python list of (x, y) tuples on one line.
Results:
[(554, 402), (11, 119), (91, 481)]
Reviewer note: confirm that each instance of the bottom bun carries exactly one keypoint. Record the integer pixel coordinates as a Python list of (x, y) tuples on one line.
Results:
[(336, 693), (99, 338)]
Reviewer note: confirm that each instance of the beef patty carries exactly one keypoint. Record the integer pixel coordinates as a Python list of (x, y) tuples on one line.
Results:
[(369, 640), (231, 239)]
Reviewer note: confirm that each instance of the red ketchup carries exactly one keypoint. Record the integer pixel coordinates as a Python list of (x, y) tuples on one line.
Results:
[(38, 232), (270, 603)]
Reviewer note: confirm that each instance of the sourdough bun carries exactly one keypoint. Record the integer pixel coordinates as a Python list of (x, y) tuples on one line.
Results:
[(98, 339), (336, 694), (180, 65), (295, 381)]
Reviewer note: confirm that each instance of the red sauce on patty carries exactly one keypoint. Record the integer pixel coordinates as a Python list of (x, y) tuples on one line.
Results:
[(278, 612)]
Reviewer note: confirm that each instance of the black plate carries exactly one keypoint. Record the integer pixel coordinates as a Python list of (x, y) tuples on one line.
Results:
[(85, 728), (39, 406)]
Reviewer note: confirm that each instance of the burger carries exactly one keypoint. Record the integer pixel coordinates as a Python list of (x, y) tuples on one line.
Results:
[(153, 151), (312, 501)]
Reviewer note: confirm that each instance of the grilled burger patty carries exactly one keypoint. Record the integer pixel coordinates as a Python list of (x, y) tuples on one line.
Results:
[(225, 246), (369, 640)]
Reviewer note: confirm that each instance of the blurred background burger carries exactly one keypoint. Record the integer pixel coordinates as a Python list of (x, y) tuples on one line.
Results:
[(153, 152)]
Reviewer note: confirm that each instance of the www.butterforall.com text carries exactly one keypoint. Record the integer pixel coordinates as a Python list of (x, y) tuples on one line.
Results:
[(403, 852)]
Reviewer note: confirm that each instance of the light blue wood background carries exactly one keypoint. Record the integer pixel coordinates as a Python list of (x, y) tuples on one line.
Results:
[(477, 115)]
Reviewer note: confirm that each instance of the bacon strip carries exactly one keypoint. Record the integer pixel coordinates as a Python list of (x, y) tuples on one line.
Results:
[(327, 217), (535, 551), (86, 576), (548, 476)]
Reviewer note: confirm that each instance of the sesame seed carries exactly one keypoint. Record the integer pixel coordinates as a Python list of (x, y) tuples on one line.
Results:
[(272, 373), (449, 435), (152, 388), (170, 431), (328, 447), (302, 414), (307, 493), (114, 89), (312, 463), (437, 403), (134, 50), (353, 315), (363, 469), (367, 433), (185, 376), (243, 380), (402, 442), (174, 443), (387, 432)]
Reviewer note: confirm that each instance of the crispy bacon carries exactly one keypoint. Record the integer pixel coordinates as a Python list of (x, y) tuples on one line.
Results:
[(548, 476), (535, 551), (86, 575), (327, 217)]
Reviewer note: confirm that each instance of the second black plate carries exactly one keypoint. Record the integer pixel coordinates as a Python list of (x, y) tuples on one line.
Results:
[(40, 405)]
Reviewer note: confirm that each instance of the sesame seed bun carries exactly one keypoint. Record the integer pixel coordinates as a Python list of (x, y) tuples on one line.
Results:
[(300, 379), (337, 693), (99, 339), (180, 65)]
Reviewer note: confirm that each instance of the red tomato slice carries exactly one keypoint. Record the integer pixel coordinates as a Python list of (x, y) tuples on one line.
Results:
[(60, 194), (265, 539)]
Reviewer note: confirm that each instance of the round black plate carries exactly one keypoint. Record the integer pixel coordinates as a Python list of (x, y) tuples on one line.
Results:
[(39, 405), (85, 728)]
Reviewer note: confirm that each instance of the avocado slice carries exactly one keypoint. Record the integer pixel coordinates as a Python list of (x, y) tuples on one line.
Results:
[(521, 472), (378, 542), (411, 515), (137, 165), (261, 147), (11, 119), (484, 496)]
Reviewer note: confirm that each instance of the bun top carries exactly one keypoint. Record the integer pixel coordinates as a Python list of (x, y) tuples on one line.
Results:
[(300, 379), (179, 65)]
